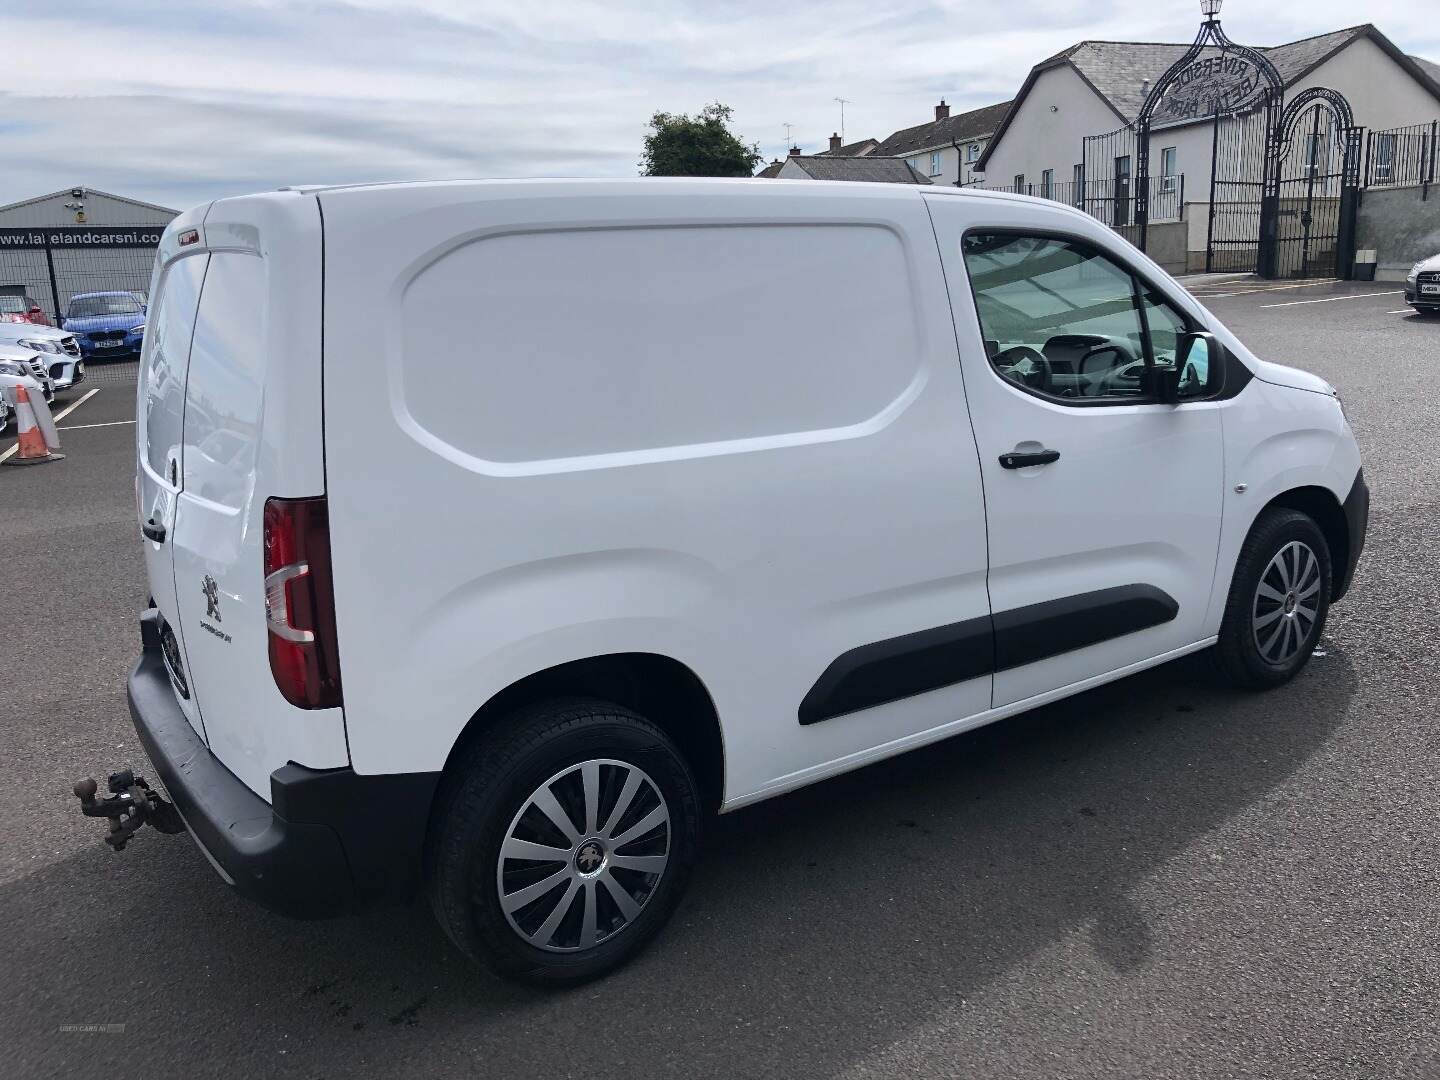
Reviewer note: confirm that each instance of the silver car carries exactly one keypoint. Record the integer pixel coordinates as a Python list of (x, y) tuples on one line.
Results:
[(1422, 286)]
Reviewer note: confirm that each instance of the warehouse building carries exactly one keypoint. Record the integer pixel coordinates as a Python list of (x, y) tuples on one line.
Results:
[(79, 240)]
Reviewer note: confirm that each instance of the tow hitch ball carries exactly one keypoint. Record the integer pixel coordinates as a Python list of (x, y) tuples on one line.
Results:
[(130, 805)]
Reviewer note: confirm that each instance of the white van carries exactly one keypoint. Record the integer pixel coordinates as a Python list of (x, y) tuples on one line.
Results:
[(498, 532)]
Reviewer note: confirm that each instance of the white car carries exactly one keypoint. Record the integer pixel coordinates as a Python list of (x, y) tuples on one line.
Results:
[(510, 644), (23, 361), (61, 351)]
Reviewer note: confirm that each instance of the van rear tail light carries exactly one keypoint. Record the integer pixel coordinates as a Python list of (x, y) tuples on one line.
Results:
[(300, 602)]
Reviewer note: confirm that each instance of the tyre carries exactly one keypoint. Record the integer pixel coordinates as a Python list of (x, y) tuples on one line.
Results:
[(563, 840), (1278, 601)]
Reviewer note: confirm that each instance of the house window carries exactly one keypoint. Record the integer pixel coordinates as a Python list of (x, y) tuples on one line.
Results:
[(1020, 183), (1384, 159), (1077, 179), (1047, 184), (1167, 169), (937, 163), (972, 152), (1315, 153), (914, 163)]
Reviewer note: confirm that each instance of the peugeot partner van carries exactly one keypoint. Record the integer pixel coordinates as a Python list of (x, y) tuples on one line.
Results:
[(679, 495)]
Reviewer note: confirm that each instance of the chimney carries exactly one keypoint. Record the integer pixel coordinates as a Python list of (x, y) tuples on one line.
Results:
[(942, 111), (794, 151), (834, 142)]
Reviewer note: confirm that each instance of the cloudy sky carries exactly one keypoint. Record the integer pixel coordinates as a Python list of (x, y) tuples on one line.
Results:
[(180, 101)]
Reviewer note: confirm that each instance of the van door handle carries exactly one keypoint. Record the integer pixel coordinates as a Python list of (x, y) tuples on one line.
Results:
[(1015, 460), (153, 530)]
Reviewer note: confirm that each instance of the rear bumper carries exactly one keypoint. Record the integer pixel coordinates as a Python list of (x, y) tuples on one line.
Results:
[(329, 841), (1357, 522)]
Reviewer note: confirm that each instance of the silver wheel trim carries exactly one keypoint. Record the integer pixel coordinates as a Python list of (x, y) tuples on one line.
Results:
[(1286, 604), (544, 889)]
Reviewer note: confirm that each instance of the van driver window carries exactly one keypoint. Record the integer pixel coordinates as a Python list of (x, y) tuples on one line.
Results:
[(1058, 317)]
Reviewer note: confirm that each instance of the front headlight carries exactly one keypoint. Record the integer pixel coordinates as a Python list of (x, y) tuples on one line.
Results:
[(138, 329), (11, 367), (1414, 273), (41, 345)]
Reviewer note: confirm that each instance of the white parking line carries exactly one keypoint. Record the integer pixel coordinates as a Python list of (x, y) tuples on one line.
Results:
[(87, 427), (76, 404), (5, 454), (1332, 299), (1266, 288)]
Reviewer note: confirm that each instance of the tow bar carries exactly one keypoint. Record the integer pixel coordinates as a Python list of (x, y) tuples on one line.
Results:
[(130, 805)]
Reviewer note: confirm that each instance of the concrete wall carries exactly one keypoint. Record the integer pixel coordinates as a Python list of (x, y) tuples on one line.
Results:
[(1166, 244), (99, 210), (1402, 227)]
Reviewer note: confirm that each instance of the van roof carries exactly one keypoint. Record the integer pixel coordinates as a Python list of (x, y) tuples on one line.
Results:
[(817, 188)]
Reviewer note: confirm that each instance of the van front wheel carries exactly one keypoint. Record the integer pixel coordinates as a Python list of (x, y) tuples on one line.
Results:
[(563, 841), (1279, 599)]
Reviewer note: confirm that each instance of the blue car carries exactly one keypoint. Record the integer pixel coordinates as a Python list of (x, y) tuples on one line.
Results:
[(106, 323)]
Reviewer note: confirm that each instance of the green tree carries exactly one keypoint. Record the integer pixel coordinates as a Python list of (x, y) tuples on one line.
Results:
[(701, 145)]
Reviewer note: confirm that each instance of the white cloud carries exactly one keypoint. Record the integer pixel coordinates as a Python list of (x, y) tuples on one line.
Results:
[(176, 102)]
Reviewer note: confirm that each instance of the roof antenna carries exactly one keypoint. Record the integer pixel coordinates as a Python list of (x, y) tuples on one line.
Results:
[(843, 102), (788, 144)]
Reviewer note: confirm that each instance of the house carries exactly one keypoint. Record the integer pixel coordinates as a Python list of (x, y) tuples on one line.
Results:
[(947, 149), (863, 148), (883, 170), (1095, 87)]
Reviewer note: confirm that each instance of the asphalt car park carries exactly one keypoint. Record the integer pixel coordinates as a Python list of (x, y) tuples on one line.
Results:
[(1158, 878)]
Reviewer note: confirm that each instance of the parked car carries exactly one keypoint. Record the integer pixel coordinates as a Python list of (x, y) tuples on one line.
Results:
[(17, 305), (67, 374), (517, 639), (18, 361), (57, 345), (106, 323), (1422, 286)]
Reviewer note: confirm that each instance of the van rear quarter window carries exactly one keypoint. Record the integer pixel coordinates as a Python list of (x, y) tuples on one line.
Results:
[(223, 394), (163, 380), (567, 343)]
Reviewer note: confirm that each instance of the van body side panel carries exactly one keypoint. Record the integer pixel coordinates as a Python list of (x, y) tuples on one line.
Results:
[(721, 423), (251, 432)]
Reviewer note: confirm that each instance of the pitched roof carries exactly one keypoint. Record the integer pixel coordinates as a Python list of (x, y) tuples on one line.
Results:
[(954, 129), (1121, 72), (88, 192), (1429, 67), (863, 148), (769, 172), (882, 170)]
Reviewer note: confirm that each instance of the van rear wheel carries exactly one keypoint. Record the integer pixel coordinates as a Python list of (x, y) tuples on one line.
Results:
[(1278, 603), (563, 841)]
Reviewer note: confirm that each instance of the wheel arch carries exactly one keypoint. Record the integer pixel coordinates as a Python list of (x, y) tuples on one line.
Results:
[(1321, 506), (660, 688)]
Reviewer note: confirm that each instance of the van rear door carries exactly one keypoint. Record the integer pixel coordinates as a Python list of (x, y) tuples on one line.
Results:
[(175, 288), (251, 432)]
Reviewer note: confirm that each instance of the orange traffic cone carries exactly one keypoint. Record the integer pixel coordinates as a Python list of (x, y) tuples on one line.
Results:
[(31, 446)]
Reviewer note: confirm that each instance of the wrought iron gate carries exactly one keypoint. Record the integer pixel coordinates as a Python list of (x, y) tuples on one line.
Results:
[(1316, 192), (1237, 189)]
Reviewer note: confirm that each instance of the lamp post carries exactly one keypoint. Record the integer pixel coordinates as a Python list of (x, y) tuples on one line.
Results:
[(1211, 10)]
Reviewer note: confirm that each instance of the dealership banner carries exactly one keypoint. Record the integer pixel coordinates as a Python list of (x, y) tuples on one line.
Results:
[(81, 236)]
